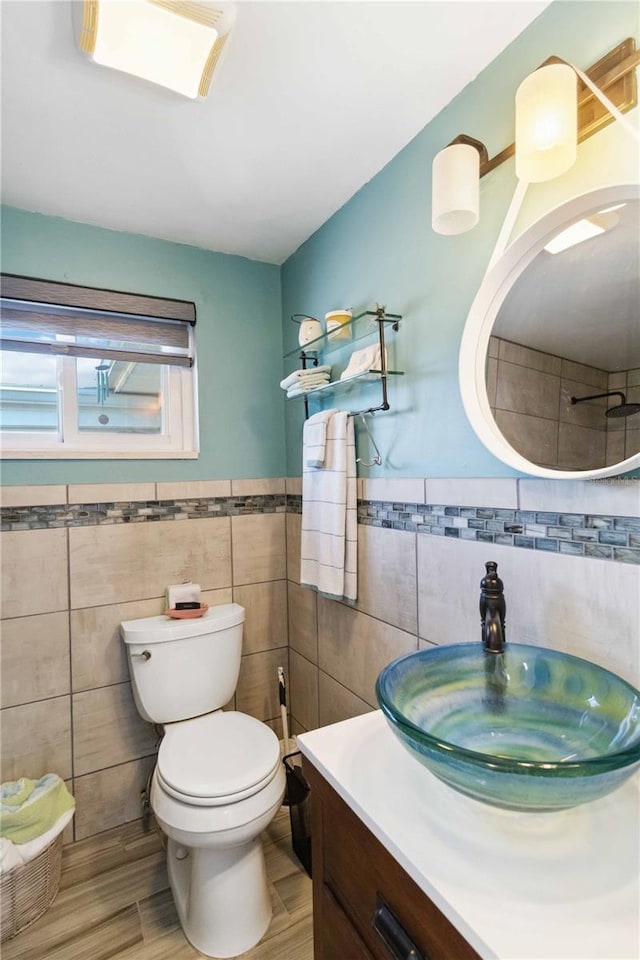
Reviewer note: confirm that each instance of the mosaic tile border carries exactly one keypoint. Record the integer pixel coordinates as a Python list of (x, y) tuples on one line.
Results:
[(606, 537), (101, 514), (573, 534)]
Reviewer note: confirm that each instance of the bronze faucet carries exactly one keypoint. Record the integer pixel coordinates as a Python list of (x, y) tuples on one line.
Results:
[(492, 610)]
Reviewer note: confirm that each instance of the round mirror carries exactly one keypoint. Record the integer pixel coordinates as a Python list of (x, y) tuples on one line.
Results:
[(550, 355)]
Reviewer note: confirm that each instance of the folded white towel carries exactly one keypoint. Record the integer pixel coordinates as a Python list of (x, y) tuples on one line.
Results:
[(298, 375), (361, 361), (305, 387), (314, 438)]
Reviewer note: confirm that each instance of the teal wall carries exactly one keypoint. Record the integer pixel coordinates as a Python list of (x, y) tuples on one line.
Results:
[(238, 338), (380, 247)]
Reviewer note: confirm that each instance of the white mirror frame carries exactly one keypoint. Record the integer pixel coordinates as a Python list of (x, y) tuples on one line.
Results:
[(484, 309)]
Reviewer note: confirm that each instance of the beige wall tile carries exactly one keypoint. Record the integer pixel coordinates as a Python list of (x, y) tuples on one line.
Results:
[(533, 437), (110, 797), (336, 703), (588, 414), (303, 699), (581, 448), (35, 658), (36, 739), (27, 496), (584, 374), (265, 626), (464, 491), (267, 486), (303, 621), (396, 489), (516, 353), (615, 447), (621, 499), (34, 572), (522, 390), (491, 380), (217, 597), (294, 526), (98, 655), (257, 690), (388, 590), (632, 442), (193, 489), (111, 492), (259, 547), (293, 486), (114, 564), (108, 730), (353, 647)]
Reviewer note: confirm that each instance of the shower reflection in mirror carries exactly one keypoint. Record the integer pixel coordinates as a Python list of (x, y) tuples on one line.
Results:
[(566, 342)]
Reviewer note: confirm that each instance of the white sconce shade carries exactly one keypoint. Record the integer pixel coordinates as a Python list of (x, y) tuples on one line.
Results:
[(169, 42), (546, 123), (455, 200)]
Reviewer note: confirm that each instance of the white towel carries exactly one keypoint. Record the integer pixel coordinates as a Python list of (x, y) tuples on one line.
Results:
[(17, 854), (329, 542), (10, 855), (32, 848), (314, 437), (304, 387), (298, 375), (361, 361)]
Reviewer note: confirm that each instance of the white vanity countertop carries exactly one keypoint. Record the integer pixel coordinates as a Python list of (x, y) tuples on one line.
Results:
[(518, 886)]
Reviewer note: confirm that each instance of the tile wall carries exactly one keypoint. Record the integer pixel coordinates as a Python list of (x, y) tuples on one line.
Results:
[(530, 397), (420, 564), (79, 559)]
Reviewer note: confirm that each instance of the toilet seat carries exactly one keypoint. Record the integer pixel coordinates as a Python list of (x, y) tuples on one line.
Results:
[(217, 759)]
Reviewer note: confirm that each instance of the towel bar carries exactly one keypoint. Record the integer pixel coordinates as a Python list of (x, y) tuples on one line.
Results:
[(377, 460)]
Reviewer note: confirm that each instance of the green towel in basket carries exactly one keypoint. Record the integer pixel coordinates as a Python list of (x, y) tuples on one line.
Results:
[(28, 808)]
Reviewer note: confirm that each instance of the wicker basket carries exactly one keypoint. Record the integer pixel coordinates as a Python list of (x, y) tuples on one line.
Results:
[(26, 892)]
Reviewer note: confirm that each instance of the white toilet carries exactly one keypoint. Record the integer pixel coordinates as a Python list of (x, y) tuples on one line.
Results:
[(218, 781)]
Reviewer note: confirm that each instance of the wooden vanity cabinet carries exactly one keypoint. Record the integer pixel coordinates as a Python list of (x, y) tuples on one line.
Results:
[(365, 906)]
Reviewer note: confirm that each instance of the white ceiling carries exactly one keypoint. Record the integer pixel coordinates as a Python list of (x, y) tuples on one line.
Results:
[(312, 100)]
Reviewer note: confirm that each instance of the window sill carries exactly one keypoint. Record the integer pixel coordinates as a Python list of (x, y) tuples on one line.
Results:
[(98, 455)]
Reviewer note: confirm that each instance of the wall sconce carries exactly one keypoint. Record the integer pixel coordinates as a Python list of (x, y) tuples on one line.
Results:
[(554, 112), (174, 44), (546, 123)]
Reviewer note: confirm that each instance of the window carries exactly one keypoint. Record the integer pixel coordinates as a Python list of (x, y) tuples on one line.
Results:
[(95, 373)]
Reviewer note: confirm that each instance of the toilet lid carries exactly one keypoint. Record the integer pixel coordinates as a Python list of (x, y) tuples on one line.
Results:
[(217, 756)]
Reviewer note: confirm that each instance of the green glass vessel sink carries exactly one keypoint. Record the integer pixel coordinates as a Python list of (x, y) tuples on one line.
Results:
[(528, 729)]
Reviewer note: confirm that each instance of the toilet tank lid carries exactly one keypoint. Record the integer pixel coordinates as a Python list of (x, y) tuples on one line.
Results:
[(161, 629)]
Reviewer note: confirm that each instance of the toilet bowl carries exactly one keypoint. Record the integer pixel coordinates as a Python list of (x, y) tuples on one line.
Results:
[(218, 780), (217, 785)]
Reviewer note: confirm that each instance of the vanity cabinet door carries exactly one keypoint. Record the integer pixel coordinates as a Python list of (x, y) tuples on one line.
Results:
[(335, 937), (357, 883)]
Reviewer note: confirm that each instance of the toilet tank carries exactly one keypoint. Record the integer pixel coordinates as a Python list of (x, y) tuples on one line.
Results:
[(184, 668)]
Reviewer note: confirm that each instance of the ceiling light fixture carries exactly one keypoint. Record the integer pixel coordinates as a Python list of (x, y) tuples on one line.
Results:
[(557, 106), (174, 43)]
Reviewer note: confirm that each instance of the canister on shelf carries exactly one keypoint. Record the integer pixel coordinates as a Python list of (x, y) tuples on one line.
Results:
[(335, 321)]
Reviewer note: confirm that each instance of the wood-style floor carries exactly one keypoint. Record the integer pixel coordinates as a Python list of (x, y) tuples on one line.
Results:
[(114, 903)]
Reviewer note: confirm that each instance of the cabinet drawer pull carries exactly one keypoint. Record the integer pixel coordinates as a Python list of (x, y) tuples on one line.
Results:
[(393, 935)]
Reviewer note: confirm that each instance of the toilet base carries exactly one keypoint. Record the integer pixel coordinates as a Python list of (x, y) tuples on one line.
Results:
[(221, 896)]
